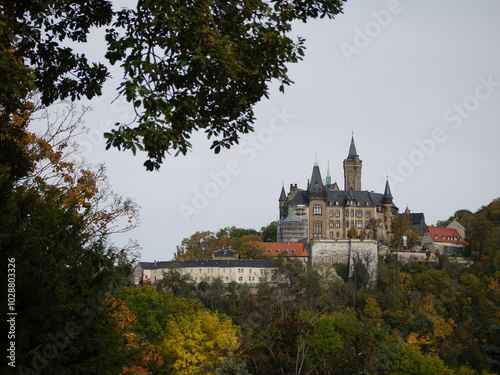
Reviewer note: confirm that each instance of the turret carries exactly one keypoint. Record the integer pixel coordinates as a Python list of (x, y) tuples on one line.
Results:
[(283, 203), (387, 197), (315, 187)]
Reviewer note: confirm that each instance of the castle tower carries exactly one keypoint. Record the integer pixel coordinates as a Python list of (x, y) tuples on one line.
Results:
[(316, 193), (283, 203), (388, 214), (352, 169)]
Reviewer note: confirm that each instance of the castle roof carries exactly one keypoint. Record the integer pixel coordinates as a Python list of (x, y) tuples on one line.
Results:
[(352, 150), (417, 218), (283, 194), (316, 184), (387, 191), (361, 198)]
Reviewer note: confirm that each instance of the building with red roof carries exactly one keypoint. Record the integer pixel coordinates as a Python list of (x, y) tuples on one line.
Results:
[(295, 250), (445, 240)]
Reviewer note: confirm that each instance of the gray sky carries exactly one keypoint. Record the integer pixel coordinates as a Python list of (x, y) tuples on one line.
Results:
[(418, 82)]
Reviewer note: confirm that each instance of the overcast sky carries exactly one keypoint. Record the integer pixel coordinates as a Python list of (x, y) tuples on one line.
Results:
[(417, 82)]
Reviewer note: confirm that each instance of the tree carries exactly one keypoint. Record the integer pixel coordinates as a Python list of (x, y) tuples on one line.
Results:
[(250, 247), (270, 232), (234, 233), (415, 363), (400, 227), (352, 232), (173, 281), (154, 309), (343, 344), (55, 221), (199, 246), (196, 66), (143, 358), (198, 343)]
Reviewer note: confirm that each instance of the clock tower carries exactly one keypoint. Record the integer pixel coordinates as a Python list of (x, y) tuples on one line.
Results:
[(352, 169)]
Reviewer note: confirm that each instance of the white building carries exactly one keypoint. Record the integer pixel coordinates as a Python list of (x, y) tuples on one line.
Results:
[(242, 271)]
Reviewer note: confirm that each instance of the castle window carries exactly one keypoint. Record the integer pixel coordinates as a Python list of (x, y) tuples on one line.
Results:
[(331, 234), (337, 224), (367, 224), (338, 234), (368, 214), (294, 251), (317, 209), (270, 251), (331, 224), (337, 213), (359, 213), (346, 213), (317, 227), (250, 270), (240, 278), (331, 213), (279, 251), (347, 223), (352, 213), (359, 224)]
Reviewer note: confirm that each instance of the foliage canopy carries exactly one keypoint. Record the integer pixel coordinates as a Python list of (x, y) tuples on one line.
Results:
[(197, 65)]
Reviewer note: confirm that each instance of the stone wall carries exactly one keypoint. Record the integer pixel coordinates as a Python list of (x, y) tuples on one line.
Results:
[(346, 252)]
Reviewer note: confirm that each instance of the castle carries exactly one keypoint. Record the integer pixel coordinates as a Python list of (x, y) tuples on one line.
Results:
[(323, 226), (324, 212)]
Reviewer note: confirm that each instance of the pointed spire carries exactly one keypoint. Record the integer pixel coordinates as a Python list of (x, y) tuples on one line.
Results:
[(328, 177), (283, 194), (316, 183), (387, 197), (352, 149)]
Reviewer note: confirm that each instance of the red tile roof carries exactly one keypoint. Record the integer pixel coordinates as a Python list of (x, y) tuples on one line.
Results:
[(292, 249), (448, 235)]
